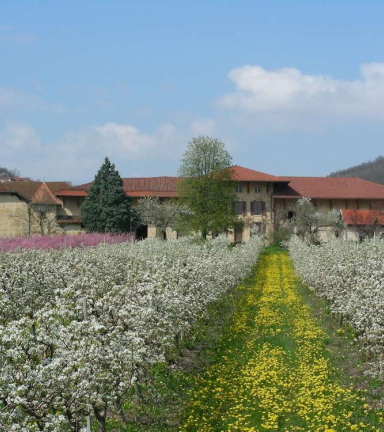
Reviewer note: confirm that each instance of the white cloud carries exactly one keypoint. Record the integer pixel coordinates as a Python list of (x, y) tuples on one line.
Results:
[(20, 100), (128, 142), (19, 138), (79, 154), (203, 127), (125, 140), (288, 90)]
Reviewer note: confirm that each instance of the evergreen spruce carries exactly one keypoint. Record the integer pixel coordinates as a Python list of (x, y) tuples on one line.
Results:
[(107, 207)]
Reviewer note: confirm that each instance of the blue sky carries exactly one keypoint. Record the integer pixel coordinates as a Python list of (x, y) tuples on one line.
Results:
[(292, 87)]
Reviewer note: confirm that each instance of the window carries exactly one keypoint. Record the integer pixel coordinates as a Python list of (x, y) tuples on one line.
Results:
[(258, 189), (238, 188), (240, 207), (258, 207), (291, 215)]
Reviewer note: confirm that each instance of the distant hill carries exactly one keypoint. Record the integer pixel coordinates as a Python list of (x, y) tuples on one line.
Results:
[(372, 171), (5, 172)]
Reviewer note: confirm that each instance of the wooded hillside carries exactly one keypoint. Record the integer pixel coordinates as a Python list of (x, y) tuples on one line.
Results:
[(372, 171)]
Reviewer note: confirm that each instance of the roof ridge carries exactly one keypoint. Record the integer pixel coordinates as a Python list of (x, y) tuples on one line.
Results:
[(155, 177), (251, 169), (45, 186)]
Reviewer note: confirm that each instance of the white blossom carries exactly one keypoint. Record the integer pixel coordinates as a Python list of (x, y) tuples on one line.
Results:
[(351, 277), (55, 366)]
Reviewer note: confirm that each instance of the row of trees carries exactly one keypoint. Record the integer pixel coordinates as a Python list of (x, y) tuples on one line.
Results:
[(206, 194)]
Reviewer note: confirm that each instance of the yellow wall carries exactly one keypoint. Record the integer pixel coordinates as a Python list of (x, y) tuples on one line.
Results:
[(72, 228), (16, 220), (71, 206), (266, 219), (13, 216)]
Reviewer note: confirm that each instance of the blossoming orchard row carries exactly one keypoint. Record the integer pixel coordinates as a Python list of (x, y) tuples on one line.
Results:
[(78, 327), (351, 277)]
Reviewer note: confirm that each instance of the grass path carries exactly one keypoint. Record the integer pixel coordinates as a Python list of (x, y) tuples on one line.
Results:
[(272, 370)]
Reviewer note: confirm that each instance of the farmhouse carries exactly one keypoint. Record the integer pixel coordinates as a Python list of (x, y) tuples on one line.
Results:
[(29, 207), (260, 197)]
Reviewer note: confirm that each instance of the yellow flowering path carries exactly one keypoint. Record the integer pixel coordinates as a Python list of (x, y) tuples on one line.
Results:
[(272, 370)]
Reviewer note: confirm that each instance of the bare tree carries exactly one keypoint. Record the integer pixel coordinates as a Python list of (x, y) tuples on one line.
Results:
[(43, 216), (308, 222), (38, 218), (161, 214)]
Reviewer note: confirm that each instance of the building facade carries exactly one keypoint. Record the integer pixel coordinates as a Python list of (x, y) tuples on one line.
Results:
[(29, 208), (261, 199)]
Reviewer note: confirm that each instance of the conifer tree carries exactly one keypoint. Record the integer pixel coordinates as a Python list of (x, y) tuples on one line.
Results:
[(107, 207)]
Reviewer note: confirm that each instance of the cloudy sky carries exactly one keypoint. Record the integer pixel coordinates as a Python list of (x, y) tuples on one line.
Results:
[(292, 87)]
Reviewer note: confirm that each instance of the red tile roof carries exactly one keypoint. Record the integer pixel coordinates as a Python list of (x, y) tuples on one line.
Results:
[(25, 188), (245, 174), (65, 220), (160, 194), (58, 185), (286, 187), (44, 196), (35, 192), (151, 184), (363, 217), (165, 187), (330, 187), (71, 192)]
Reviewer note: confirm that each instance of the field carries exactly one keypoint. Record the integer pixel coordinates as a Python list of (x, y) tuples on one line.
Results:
[(190, 336)]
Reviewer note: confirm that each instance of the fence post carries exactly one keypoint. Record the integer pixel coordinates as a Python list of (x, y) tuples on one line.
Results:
[(85, 318)]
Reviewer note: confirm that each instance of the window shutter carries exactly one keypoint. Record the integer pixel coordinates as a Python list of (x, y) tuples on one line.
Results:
[(252, 208), (262, 207), (244, 207)]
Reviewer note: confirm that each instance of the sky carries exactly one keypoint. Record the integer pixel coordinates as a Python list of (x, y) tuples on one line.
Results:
[(291, 87)]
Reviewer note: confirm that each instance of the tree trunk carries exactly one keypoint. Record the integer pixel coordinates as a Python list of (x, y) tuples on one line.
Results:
[(121, 412), (101, 415)]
